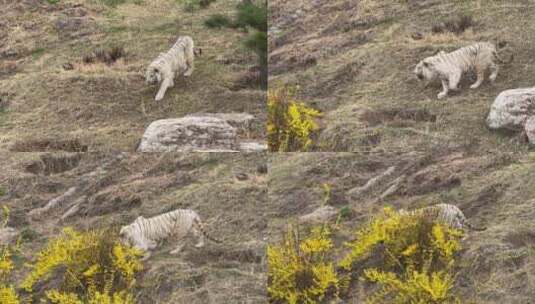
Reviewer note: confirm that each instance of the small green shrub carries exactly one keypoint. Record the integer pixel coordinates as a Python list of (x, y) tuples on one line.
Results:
[(112, 3), (52, 1), (37, 53), (193, 5), (217, 21)]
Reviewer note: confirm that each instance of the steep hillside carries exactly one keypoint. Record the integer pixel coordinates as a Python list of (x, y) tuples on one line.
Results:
[(227, 190), (53, 96), (495, 191), (354, 59)]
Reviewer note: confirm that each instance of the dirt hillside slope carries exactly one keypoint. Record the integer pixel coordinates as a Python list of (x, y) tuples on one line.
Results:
[(354, 59), (227, 191), (51, 98), (495, 191)]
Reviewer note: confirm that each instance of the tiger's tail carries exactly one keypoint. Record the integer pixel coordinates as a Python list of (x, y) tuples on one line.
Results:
[(197, 222)]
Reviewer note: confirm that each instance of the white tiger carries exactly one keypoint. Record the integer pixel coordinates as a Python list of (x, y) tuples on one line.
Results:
[(446, 214), (179, 60), (144, 234), (449, 67)]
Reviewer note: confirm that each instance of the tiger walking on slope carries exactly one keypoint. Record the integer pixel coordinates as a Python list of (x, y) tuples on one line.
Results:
[(447, 214), (179, 60), (449, 67), (145, 234)]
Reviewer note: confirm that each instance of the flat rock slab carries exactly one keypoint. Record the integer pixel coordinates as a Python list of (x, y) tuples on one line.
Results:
[(251, 146), (511, 109), (189, 134), (530, 130), (320, 215), (237, 120)]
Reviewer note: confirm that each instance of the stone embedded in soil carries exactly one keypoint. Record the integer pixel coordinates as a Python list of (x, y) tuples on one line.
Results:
[(189, 134), (530, 129), (211, 132), (511, 109), (237, 120), (252, 147), (7, 235), (320, 215)]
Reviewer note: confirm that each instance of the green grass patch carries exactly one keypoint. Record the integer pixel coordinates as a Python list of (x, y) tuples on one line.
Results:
[(112, 3), (37, 53), (217, 21)]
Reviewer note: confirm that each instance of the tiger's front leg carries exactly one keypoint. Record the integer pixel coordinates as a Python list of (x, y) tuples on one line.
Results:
[(445, 89), (166, 83)]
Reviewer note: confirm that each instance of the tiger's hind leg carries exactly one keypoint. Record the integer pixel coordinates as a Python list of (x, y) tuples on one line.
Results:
[(480, 72), (199, 236), (454, 79), (190, 63), (494, 72)]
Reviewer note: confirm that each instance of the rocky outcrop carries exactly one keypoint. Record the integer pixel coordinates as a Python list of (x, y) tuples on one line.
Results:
[(320, 215), (511, 109), (189, 134), (200, 133), (530, 130)]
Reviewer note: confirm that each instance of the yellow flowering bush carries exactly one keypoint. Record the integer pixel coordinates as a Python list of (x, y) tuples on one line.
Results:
[(96, 268), (300, 270), (8, 294), (416, 258), (291, 124)]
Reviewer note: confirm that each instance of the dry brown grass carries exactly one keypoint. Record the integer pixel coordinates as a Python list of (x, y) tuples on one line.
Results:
[(107, 106)]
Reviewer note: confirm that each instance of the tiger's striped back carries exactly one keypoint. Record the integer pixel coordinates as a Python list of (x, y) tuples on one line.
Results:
[(446, 214), (176, 223), (183, 45)]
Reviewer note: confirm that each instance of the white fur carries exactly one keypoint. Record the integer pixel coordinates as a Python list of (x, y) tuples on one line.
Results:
[(449, 67), (179, 60), (145, 234)]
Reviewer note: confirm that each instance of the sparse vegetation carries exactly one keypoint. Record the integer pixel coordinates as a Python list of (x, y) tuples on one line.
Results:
[(217, 21), (291, 124), (108, 56), (112, 3), (192, 5), (457, 24), (249, 15)]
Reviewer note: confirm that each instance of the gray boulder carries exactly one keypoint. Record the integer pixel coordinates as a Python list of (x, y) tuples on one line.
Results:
[(190, 134), (511, 109), (530, 129)]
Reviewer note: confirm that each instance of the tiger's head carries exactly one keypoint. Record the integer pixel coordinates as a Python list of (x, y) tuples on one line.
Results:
[(153, 75), (126, 235), (424, 70)]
